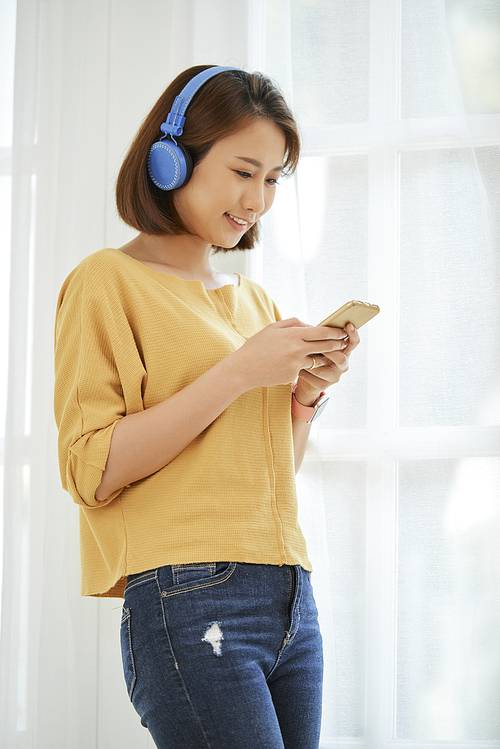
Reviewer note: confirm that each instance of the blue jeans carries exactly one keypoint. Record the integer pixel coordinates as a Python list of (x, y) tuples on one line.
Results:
[(224, 656)]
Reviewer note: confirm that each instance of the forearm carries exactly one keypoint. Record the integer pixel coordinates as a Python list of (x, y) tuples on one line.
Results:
[(306, 395), (146, 441), (300, 430)]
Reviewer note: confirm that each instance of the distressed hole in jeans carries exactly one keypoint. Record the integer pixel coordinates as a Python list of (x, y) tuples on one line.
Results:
[(214, 636)]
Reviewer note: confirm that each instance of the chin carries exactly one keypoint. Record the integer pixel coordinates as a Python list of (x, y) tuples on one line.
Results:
[(246, 241), (226, 245), (221, 248)]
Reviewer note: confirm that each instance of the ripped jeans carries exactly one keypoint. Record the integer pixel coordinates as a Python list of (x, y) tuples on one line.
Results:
[(224, 656)]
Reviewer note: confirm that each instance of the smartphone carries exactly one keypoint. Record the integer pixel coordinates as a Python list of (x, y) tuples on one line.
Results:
[(354, 312)]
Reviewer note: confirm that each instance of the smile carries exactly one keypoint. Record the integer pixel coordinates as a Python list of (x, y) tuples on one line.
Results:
[(239, 221)]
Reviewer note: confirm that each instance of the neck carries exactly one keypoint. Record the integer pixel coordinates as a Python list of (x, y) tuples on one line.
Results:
[(181, 251), (181, 255)]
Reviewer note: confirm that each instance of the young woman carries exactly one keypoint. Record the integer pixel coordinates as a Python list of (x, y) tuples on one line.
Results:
[(180, 433)]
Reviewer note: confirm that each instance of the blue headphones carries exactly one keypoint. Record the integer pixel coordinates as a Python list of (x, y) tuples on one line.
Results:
[(169, 163)]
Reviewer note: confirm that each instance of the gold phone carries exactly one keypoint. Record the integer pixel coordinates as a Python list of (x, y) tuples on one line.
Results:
[(354, 312)]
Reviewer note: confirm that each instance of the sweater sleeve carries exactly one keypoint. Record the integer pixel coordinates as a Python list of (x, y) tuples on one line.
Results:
[(99, 377)]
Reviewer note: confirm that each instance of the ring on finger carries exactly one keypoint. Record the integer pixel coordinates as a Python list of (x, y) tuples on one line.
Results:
[(313, 363)]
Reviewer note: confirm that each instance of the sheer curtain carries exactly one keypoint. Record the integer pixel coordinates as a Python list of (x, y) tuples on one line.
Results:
[(396, 202), (85, 75)]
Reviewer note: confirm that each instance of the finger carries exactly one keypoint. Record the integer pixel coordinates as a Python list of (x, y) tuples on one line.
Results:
[(291, 322), (315, 379), (321, 378), (320, 360), (295, 322), (354, 338), (323, 333), (314, 362), (339, 360), (325, 348)]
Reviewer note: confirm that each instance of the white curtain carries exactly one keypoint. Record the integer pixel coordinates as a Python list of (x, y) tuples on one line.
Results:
[(396, 202)]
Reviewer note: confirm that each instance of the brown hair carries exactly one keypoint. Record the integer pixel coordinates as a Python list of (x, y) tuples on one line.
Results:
[(223, 105)]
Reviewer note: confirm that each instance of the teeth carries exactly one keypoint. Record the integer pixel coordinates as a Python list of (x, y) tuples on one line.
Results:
[(238, 220)]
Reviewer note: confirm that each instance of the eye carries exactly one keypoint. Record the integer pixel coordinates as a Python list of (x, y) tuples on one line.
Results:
[(248, 175)]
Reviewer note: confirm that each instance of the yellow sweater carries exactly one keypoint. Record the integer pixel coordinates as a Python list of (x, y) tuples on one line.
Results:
[(128, 337)]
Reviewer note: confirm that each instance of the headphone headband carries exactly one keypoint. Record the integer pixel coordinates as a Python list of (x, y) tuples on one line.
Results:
[(168, 163), (174, 124)]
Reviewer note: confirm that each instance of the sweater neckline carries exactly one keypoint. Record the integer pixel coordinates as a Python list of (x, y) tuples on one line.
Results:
[(171, 276)]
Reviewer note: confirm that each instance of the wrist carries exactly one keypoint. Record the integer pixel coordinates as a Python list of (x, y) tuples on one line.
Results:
[(232, 376), (310, 412), (305, 395)]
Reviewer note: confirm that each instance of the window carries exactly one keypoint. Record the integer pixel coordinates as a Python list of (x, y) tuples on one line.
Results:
[(7, 39), (397, 202)]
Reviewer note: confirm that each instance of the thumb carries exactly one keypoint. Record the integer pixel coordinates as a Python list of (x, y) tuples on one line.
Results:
[(292, 322)]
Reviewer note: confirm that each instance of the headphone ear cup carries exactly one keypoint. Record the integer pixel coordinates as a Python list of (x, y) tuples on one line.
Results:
[(169, 165), (189, 163)]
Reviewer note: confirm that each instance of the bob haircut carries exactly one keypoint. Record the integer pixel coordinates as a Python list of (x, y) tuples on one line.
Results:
[(224, 104)]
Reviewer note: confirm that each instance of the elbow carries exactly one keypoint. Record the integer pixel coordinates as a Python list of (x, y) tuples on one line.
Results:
[(86, 486), (105, 489)]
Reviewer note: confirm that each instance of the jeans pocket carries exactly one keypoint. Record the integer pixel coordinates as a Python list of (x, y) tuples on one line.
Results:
[(182, 578), (187, 573), (127, 652)]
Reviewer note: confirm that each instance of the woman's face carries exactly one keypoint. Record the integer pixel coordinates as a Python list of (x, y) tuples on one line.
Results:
[(233, 185)]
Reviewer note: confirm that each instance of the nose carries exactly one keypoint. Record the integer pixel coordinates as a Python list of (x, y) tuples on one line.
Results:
[(254, 199)]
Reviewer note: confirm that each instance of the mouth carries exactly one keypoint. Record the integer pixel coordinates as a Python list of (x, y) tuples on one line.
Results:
[(237, 223)]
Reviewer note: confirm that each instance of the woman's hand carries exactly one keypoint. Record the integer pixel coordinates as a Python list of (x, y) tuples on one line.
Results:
[(277, 353), (328, 367)]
